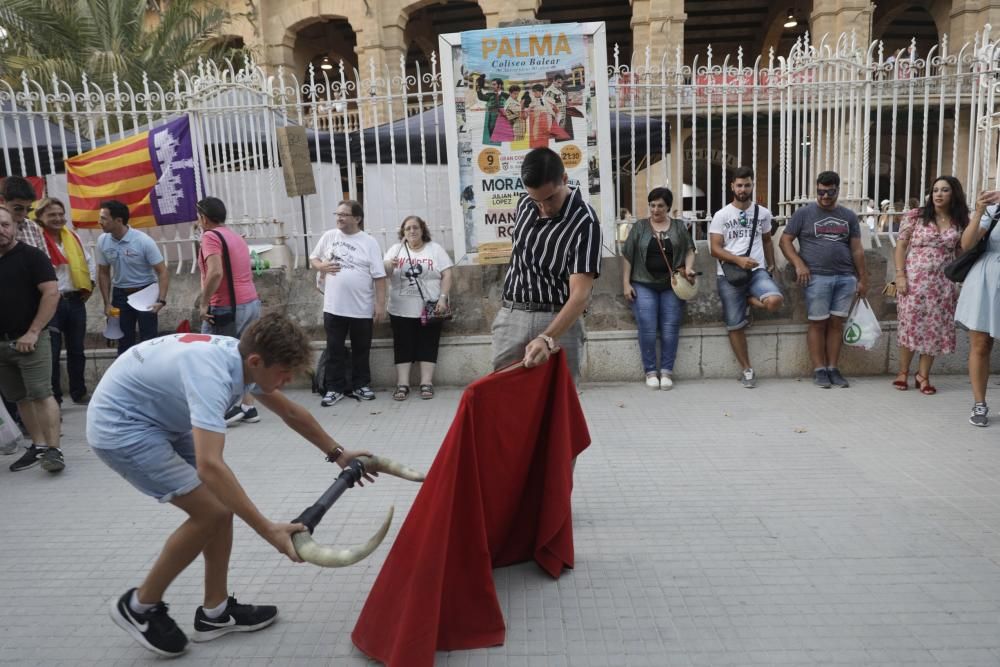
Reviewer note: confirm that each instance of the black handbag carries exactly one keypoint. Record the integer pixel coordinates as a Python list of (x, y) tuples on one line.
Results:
[(958, 269), (224, 322), (736, 275)]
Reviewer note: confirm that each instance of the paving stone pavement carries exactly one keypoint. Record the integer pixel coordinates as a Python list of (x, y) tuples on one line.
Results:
[(713, 526)]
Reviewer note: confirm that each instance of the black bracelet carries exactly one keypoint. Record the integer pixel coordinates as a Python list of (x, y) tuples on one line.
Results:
[(161, 301), (335, 454)]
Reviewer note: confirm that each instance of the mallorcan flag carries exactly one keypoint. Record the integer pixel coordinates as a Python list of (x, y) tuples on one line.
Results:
[(153, 173)]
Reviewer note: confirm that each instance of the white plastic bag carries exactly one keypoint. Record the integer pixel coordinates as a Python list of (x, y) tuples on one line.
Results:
[(10, 434), (862, 328)]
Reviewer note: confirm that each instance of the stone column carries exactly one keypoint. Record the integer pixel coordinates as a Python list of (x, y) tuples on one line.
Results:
[(379, 50), (836, 17), (658, 24), (968, 17), (503, 11)]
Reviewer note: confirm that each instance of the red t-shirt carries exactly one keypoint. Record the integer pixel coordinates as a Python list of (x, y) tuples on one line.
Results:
[(239, 257)]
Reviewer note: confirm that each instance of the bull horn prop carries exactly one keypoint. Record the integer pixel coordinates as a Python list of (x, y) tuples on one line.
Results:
[(390, 467), (312, 551)]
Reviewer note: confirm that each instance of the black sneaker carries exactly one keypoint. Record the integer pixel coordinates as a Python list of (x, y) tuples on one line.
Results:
[(250, 416), (233, 414), (836, 379), (237, 618), (821, 378), (154, 629), (52, 459), (29, 460)]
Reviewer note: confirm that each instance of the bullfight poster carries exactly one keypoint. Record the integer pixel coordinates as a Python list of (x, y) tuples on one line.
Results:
[(508, 91)]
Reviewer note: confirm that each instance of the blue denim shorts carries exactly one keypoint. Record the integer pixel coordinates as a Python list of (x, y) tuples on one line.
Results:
[(158, 467), (830, 295), (734, 299)]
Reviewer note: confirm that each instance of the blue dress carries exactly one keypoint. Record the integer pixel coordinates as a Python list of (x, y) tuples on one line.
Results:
[(979, 302)]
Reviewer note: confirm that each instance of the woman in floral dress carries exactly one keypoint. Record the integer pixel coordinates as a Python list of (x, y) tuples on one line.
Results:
[(928, 239)]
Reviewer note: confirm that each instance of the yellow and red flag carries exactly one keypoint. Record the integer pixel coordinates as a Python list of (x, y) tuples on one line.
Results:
[(153, 173)]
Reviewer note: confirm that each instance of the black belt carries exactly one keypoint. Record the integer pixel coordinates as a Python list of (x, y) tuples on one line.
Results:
[(71, 296), (532, 307), (133, 290)]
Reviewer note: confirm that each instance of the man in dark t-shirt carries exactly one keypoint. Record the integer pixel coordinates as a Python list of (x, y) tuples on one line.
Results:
[(28, 301), (830, 266)]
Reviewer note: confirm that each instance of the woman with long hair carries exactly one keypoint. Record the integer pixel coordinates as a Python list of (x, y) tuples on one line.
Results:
[(928, 239), (979, 303)]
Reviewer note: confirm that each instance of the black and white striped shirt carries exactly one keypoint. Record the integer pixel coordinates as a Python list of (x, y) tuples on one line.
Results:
[(548, 250)]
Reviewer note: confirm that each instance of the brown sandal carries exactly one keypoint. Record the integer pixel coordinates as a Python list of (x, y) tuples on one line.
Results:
[(426, 391), (402, 391), (924, 385), (903, 384)]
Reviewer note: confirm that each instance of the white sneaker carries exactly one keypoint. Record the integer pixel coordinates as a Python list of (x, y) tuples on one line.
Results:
[(666, 383), (652, 382)]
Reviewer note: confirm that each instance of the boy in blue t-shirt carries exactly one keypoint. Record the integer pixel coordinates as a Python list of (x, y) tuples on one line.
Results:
[(156, 418)]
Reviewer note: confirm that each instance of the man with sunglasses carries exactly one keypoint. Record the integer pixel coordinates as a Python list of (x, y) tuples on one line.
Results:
[(19, 195), (830, 266)]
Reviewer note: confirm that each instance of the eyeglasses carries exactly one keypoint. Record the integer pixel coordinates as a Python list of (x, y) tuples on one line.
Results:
[(832, 192), (344, 215), (21, 208)]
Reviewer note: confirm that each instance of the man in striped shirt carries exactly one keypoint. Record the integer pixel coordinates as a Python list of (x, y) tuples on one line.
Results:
[(555, 260)]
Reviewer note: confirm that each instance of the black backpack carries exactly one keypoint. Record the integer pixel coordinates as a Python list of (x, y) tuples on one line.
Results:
[(319, 376)]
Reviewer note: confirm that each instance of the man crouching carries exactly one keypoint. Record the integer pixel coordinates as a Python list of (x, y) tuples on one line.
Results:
[(157, 419)]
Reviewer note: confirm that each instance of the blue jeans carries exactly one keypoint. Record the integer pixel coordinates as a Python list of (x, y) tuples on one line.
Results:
[(830, 295), (129, 317), (69, 326), (246, 314), (658, 315)]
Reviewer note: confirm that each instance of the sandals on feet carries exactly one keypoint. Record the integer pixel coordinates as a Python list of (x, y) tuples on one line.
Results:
[(903, 384), (402, 391), (426, 391), (924, 385)]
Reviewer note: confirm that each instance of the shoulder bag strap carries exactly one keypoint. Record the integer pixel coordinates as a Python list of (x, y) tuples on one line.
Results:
[(415, 279), (659, 244), (227, 265), (753, 232)]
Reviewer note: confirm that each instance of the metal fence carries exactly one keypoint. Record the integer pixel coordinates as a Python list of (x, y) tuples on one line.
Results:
[(887, 122)]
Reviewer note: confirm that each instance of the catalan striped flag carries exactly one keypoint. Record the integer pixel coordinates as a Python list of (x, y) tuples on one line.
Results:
[(153, 173)]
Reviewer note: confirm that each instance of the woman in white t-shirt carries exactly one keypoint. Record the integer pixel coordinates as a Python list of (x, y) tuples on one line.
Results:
[(419, 270)]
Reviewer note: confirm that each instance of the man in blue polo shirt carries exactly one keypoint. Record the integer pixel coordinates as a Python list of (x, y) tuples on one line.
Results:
[(137, 264)]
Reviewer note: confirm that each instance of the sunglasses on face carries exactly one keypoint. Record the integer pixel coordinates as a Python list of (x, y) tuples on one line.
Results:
[(832, 192)]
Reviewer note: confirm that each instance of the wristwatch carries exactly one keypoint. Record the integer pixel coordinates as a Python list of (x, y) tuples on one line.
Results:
[(549, 343)]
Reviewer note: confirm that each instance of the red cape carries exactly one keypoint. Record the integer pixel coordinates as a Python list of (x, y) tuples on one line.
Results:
[(498, 493)]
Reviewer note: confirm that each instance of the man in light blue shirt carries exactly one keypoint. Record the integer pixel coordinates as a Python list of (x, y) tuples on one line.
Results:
[(156, 418), (137, 263)]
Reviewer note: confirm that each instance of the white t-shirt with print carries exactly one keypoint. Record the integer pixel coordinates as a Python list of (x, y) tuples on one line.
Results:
[(351, 291), (424, 265), (735, 226)]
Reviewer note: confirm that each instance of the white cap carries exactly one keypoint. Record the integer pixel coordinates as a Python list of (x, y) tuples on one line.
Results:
[(884, 202)]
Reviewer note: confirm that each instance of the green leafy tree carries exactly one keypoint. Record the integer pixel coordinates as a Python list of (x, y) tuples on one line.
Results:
[(101, 38)]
